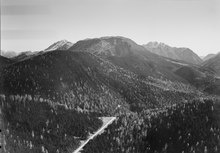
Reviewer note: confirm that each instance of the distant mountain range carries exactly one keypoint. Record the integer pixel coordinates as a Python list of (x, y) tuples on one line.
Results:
[(157, 60), (103, 47), (8, 54), (183, 54)]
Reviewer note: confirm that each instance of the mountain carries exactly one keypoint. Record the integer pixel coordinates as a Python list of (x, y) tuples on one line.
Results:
[(84, 80), (213, 64), (5, 62), (192, 74), (108, 46), (54, 100), (127, 54), (207, 57), (183, 54), (26, 55), (60, 45), (8, 54), (61, 76)]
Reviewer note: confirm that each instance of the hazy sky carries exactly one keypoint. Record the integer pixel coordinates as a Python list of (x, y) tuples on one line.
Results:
[(36, 24)]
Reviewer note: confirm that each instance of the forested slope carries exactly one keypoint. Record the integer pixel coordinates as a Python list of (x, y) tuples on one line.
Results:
[(187, 127), (33, 124)]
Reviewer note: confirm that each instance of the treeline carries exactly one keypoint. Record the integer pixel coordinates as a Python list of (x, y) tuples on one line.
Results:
[(36, 125), (183, 128)]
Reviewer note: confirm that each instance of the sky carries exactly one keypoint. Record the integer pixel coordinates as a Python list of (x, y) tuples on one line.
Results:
[(33, 25)]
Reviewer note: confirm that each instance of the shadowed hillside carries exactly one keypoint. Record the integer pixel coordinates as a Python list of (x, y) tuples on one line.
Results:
[(85, 80), (213, 64), (33, 124), (4, 61)]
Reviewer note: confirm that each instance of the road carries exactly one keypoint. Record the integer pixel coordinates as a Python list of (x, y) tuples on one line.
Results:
[(95, 134)]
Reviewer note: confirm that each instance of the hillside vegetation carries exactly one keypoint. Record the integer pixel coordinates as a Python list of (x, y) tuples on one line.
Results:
[(91, 83), (34, 124), (190, 127), (52, 100)]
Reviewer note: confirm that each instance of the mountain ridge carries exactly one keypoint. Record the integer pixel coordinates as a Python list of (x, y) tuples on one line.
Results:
[(177, 53), (127, 54), (213, 64), (207, 57)]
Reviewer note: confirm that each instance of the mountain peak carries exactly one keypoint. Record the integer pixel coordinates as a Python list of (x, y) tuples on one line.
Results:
[(60, 45), (108, 46), (155, 44), (181, 53)]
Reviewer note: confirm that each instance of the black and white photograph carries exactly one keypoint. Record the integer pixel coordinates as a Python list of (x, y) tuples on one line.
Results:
[(110, 76)]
